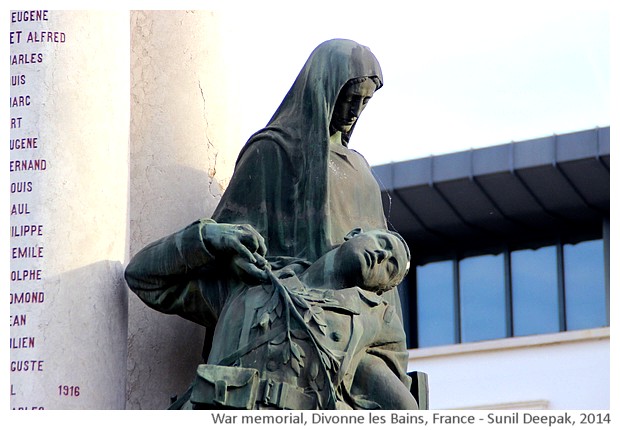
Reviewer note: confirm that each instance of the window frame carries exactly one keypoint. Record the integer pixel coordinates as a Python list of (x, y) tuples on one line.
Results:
[(413, 341)]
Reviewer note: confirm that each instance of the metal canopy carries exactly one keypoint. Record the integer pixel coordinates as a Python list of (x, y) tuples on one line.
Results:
[(514, 195)]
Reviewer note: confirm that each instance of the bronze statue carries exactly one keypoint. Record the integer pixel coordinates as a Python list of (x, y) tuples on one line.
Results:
[(324, 337), (265, 266), (308, 189)]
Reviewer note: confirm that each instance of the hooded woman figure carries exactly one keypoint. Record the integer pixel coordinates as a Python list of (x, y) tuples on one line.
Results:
[(296, 181)]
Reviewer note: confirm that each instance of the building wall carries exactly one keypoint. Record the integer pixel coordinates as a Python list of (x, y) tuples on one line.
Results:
[(569, 370)]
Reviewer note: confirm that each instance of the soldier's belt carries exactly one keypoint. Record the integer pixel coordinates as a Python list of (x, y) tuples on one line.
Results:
[(242, 388)]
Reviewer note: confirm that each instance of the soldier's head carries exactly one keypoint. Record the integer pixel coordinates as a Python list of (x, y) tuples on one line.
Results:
[(376, 260)]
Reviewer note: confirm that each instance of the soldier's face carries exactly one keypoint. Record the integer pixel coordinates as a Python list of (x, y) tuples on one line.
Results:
[(375, 260)]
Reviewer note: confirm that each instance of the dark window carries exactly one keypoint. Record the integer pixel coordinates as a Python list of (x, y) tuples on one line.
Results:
[(519, 293), (586, 302), (535, 292), (436, 304), (483, 298)]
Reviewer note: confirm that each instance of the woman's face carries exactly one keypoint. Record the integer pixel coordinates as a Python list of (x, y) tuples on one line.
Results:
[(350, 103)]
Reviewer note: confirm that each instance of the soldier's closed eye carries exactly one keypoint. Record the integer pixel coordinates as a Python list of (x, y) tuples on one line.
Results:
[(393, 265), (385, 243)]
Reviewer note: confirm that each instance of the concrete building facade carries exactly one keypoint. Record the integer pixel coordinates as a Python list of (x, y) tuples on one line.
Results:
[(508, 304)]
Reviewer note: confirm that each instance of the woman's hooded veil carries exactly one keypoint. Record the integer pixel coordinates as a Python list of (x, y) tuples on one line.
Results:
[(281, 177)]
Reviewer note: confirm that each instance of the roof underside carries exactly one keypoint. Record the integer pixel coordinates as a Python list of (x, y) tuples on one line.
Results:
[(513, 195)]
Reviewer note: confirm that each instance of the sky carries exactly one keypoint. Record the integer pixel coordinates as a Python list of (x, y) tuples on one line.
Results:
[(457, 75)]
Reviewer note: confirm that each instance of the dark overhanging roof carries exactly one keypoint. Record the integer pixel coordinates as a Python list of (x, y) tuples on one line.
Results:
[(519, 194)]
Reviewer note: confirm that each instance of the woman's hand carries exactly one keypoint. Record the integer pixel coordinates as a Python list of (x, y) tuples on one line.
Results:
[(243, 245)]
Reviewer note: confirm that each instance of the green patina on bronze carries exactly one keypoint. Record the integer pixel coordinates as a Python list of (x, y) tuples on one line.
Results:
[(294, 274)]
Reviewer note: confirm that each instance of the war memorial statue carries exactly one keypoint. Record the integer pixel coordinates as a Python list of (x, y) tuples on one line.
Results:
[(294, 274)]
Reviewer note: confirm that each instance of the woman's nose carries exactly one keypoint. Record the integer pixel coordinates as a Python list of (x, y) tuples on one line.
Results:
[(356, 108)]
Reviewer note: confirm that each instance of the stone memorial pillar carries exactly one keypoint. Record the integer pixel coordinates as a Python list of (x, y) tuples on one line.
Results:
[(183, 147), (69, 136)]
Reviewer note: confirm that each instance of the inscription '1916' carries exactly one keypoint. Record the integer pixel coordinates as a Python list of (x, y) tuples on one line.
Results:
[(69, 390)]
